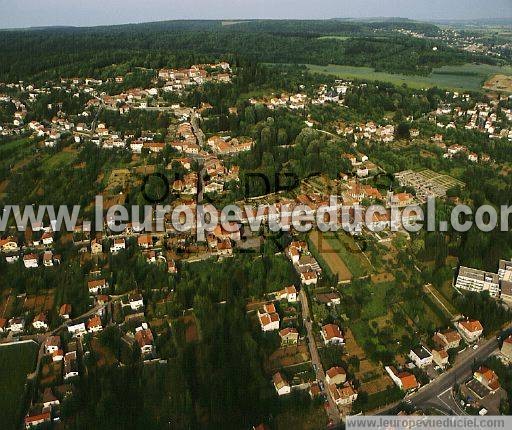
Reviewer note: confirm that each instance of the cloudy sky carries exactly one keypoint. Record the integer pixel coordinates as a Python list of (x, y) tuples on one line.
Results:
[(30, 13)]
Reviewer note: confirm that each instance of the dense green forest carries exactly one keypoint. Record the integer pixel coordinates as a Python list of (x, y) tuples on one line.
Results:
[(54, 52)]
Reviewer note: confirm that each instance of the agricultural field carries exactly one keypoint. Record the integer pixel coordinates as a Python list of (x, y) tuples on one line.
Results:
[(59, 160), (499, 82), (334, 38), (469, 77), (348, 250), (330, 257), (16, 362)]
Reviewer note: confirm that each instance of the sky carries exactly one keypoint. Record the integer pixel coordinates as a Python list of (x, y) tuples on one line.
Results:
[(37, 13)]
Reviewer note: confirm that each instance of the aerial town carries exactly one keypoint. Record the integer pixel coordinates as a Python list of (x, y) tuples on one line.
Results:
[(253, 327)]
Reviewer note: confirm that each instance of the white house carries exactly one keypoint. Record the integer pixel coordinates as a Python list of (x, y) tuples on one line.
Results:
[(144, 337), (344, 395), (52, 344), (16, 325), (30, 261), (96, 286), (77, 330), (421, 357), (136, 302), (94, 324), (471, 330), (404, 380), (118, 245), (331, 334), (40, 322), (282, 387), (70, 365), (308, 278), (268, 317), (288, 293), (336, 375)]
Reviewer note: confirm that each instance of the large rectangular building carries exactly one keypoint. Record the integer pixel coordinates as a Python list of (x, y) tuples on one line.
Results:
[(478, 281)]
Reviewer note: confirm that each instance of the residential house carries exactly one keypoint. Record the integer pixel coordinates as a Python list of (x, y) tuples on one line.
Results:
[(48, 259), (9, 244), (145, 241), (328, 299), (36, 416), (70, 365), (308, 278), (136, 301), (51, 344), (447, 339), (94, 324), (77, 330), (336, 375), (289, 336), (421, 356), (49, 398), (506, 348), (16, 325), (96, 247), (404, 380), (144, 338), (65, 311), (288, 293), (224, 247), (344, 395), (471, 330), (96, 286), (331, 334), (118, 244), (40, 322), (268, 317), (171, 267), (487, 378), (47, 238), (440, 357), (280, 384), (30, 261)]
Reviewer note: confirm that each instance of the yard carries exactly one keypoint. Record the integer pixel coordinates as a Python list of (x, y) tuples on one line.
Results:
[(16, 362)]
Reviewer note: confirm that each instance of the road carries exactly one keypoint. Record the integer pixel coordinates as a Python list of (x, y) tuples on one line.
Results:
[(462, 369), (333, 412)]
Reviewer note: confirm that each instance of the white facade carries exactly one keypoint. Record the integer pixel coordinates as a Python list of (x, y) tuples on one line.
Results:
[(478, 281), (77, 330)]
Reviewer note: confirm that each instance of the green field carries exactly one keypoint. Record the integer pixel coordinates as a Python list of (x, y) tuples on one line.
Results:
[(58, 160), (334, 38), (7, 148), (346, 247), (16, 362), (468, 77)]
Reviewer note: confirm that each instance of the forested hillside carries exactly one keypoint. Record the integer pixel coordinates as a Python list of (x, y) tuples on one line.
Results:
[(48, 53)]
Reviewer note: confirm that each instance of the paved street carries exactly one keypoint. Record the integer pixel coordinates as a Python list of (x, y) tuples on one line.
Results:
[(333, 412), (427, 396)]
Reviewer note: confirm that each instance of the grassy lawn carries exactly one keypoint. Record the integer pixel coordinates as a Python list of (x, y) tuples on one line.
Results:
[(462, 77), (347, 249), (16, 361), (59, 159)]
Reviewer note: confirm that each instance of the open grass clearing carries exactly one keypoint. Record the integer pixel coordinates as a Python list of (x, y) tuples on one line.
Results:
[(468, 77)]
